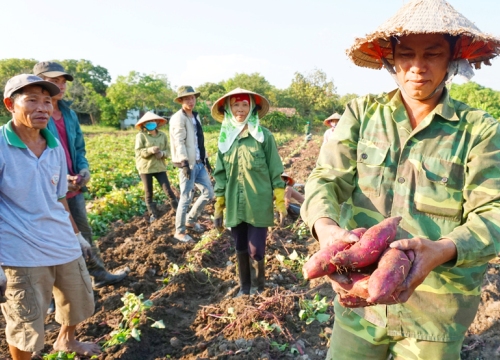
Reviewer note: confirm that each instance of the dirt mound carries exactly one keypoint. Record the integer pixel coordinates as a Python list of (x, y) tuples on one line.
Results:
[(191, 287)]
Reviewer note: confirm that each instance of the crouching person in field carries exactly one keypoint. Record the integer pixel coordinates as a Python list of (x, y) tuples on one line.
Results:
[(41, 248)]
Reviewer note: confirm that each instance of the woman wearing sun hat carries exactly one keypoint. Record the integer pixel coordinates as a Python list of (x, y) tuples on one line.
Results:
[(151, 150), (331, 122), (419, 154), (293, 199), (247, 173)]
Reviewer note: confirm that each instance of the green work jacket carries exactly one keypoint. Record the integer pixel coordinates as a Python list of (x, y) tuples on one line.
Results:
[(145, 162), (246, 175), (443, 178)]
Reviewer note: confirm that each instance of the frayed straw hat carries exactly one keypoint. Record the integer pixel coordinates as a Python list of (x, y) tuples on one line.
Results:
[(148, 116), (218, 106), (334, 116), (425, 17)]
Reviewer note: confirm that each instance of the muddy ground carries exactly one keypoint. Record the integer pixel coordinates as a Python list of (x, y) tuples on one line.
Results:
[(192, 288)]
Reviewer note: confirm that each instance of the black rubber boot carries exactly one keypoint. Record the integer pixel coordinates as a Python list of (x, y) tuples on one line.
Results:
[(153, 212), (244, 272), (173, 200), (257, 275), (100, 276)]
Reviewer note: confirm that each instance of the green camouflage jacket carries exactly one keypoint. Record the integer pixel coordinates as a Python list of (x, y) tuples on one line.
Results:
[(443, 178), (246, 175)]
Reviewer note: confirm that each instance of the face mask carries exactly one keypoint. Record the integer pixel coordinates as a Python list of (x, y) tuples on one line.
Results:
[(150, 126)]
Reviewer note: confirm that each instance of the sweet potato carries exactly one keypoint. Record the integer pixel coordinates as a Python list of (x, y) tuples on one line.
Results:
[(358, 286), (371, 245), (392, 269), (353, 301), (320, 263)]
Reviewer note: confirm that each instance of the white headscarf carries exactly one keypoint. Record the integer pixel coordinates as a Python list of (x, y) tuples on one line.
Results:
[(231, 128)]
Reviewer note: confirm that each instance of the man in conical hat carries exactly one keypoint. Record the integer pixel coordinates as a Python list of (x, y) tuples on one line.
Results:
[(418, 154)]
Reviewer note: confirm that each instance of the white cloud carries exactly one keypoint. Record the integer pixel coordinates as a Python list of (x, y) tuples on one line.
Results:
[(214, 68)]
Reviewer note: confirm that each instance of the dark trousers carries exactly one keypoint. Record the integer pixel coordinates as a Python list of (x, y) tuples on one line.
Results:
[(250, 238), (162, 178)]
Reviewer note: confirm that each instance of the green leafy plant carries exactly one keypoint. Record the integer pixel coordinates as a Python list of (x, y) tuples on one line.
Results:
[(294, 262), (280, 347), (265, 327), (314, 309), (132, 310)]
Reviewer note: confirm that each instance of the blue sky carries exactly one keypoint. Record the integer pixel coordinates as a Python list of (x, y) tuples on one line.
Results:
[(193, 42)]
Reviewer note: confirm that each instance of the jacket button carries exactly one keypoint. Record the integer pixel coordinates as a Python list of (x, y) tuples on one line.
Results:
[(444, 179), (364, 156), (401, 180)]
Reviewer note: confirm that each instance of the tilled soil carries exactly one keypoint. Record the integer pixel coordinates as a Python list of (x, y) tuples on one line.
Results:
[(192, 289)]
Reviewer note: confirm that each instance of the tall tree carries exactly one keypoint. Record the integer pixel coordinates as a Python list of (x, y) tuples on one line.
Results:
[(313, 93), (211, 91), (140, 91)]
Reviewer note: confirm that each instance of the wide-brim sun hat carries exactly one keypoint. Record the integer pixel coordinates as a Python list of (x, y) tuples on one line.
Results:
[(219, 105), (148, 116), (334, 116), (425, 17), (185, 90)]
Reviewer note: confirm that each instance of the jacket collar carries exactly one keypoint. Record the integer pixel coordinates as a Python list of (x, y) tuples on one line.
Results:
[(445, 108), (14, 140)]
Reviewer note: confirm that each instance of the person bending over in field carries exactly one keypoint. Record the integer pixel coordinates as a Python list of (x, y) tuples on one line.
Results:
[(64, 125), (293, 198), (187, 145), (419, 154), (247, 172), (151, 150), (41, 246)]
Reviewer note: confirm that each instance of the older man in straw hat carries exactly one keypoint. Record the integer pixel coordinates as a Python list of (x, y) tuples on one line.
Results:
[(64, 125), (331, 122), (415, 153), (41, 247), (187, 146)]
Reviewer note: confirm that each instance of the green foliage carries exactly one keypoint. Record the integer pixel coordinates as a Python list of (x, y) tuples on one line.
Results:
[(478, 96), (293, 262), (277, 121), (139, 91), (313, 93), (314, 310), (211, 91), (132, 310), (10, 68)]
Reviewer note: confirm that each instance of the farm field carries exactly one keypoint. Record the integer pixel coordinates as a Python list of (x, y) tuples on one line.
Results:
[(187, 290)]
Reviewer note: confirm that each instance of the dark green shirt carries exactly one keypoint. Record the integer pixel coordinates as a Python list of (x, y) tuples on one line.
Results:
[(246, 175), (443, 178)]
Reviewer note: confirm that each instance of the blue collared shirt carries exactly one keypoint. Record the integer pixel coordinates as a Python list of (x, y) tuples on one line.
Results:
[(35, 229)]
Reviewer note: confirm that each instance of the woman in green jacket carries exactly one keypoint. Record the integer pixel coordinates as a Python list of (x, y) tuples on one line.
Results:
[(247, 172), (151, 149)]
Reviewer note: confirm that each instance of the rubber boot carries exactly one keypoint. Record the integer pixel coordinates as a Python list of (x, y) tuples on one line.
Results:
[(244, 272), (173, 200), (100, 276), (257, 275), (153, 212)]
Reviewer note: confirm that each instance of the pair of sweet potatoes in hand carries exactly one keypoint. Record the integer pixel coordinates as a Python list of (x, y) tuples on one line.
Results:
[(369, 271)]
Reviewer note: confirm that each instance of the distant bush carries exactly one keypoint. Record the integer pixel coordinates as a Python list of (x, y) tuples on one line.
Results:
[(277, 121)]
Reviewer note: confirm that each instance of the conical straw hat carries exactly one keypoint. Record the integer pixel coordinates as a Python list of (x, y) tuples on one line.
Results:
[(148, 116), (425, 17), (218, 106), (334, 116)]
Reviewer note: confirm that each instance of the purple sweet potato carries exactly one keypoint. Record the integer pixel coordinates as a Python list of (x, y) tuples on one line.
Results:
[(392, 269), (320, 263), (371, 245)]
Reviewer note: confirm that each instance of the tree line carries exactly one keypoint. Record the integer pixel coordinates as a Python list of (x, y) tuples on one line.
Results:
[(312, 94)]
